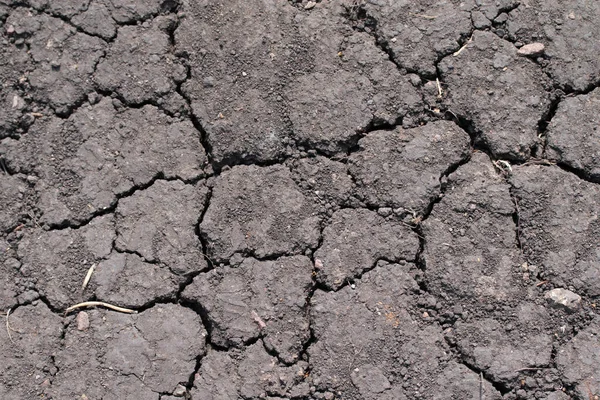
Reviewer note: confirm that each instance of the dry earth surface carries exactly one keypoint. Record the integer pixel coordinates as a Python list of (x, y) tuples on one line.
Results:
[(335, 199)]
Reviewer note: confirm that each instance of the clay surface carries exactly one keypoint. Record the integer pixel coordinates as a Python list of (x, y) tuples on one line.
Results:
[(299, 200)]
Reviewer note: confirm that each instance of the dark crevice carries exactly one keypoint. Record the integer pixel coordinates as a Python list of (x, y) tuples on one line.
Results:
[(418, 220), (120, 250), (577, 172), (516, 217), (547, 118), (357, 277), (500, 387), (201, 238), (588, 89), (206, 321)]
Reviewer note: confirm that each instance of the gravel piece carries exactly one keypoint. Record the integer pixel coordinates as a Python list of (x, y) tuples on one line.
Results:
[(239, 301), (501, 93), (532, 49), (403, 168), (83, 321), (577, 145), (259, 211), (565, 299)]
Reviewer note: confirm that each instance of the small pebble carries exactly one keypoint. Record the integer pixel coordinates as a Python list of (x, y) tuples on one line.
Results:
[(563, 298), (83, 321), (309, 5), (531, 49)]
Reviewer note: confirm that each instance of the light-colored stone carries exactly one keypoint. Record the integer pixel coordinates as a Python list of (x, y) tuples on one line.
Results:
[(83, 321), (309, 5), (563, 298), (531, 49)]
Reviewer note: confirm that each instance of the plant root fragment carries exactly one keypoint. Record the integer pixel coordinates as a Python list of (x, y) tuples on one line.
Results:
[(88, 276), (102, 304), (8, 328)]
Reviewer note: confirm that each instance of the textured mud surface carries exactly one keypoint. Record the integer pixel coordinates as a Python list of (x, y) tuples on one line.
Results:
[(333, 199)]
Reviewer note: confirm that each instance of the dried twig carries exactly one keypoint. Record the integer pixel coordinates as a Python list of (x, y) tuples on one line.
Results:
[(424, 16), (3, 166), (439, 88), (88, 276), (462, 48), (8, 328), (480, 385), (102, 304), (258, 320)]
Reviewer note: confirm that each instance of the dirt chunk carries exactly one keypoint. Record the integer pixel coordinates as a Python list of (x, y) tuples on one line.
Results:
[(500, 353), (577, 145), (10, 284), (250, 374), (14, 102), (327, 179), (14, 194), (139, 65), (471, 249), (578, 361), (96, 21), (129, 281), (418, 34), (125, 11), (243, 115), (26, 361), (501, 93), (100, 153), (64, 58), (257, 299), (259, 211), (159, 224), (558, 215), (58, 261), (459, 382), (368, 344), (568, 29), (355, 240), (108, 360), (402, 168), (299, 78)]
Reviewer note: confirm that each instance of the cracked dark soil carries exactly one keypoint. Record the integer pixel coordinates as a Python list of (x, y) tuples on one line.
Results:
[(338, 199)]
